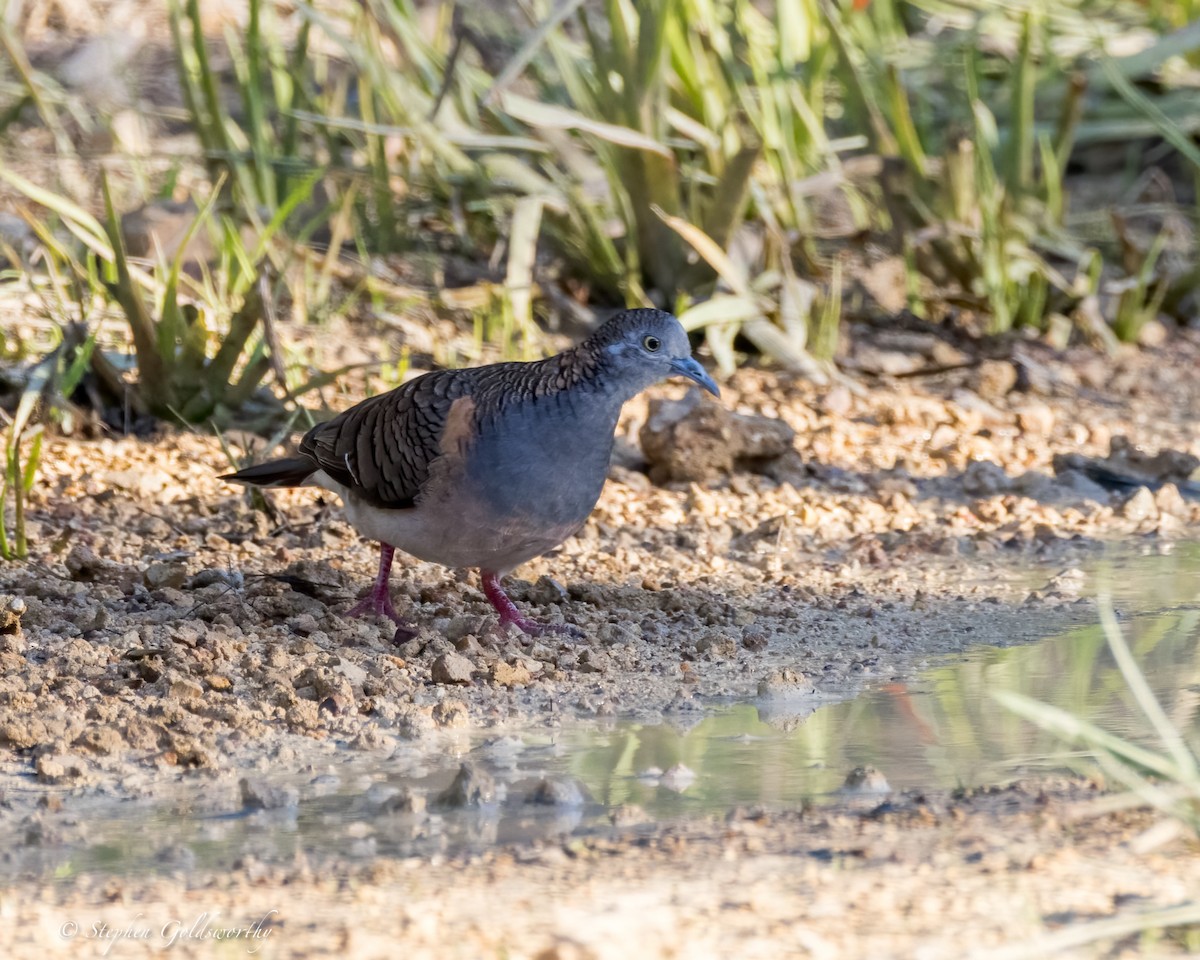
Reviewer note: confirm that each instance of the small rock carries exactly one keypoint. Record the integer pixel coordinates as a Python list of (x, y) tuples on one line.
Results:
[(60, 767), (145, 482), (1168, 500), (890, 363), (994, 379), (468, 644), (754, 638), (304, 624), (629, 815), (399, 801), (1070, 581), (11, 610), (1036, 419), (783, 683), (207, 578), (982, 478), (558, 793), (451, 668), (694, 440), (104, 740), (411, 648), (451, 713), (184, 689), (677, 778), (593, 661), (1152, 334), (614, 633), (716, 643), (260, 796), (1140, 506), (92, 617), (460, 628), (472, 787), (83, 565), (510, 675), (161, 575), (865, 781), (547, 591)]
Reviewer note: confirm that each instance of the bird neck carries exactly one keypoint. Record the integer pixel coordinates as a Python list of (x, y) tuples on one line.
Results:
[(593, 371)]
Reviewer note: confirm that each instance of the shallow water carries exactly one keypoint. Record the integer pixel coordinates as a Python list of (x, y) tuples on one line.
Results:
[(944, 730)]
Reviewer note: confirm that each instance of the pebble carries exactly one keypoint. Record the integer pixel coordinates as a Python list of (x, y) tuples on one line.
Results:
[(865, 780), (161, 575), (629, 815), (451, 668), (593, 661), (400, 800), (558, 793), (994, 379), (784, 683), (548, 591), (754, 638), (677, 778), (184, 689), (472, 787), (1140, 506), (510, 675), (1170, 501), (1036, 418), (262, 796), (60, 767), (451, 713), (697, 439)]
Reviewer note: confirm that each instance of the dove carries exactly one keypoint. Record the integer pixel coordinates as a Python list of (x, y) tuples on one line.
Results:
[(486, 467)]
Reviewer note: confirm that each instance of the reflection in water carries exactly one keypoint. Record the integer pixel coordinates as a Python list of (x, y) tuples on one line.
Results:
[(945, 730)]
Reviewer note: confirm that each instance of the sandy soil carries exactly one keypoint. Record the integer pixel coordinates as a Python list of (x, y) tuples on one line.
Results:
[(1029, 870), (165, 631)]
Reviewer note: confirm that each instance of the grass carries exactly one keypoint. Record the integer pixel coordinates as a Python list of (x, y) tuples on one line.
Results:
[(736, 162), (1166, 778)]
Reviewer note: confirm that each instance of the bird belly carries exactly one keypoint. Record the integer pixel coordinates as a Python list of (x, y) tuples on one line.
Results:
[(456, 530)]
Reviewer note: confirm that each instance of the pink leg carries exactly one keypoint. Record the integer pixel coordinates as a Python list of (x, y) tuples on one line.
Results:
[(379, 600), (510, 614)]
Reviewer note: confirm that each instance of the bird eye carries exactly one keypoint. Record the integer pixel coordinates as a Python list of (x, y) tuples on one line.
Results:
[(652, 344)]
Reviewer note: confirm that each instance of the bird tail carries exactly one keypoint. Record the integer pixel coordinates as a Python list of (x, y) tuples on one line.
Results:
[(289, 472)]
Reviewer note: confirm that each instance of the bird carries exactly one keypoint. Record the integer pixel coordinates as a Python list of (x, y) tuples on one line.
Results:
[(486, 467)]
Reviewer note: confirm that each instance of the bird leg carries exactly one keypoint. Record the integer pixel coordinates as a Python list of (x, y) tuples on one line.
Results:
[(510, 614), (379, 600)]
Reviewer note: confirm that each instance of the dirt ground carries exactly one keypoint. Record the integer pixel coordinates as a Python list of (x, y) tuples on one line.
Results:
[(163, 631), (1035, 869)]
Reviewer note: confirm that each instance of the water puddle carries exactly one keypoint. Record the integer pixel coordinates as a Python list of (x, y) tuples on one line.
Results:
[(944, 730)]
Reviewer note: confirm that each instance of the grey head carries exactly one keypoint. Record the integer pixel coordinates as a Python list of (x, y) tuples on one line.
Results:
[(639, 348)]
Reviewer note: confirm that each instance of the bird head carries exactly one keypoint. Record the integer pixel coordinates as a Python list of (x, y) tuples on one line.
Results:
[(647, 346)]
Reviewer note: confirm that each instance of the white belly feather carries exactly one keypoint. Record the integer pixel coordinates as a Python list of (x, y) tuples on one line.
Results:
[(473, 539)]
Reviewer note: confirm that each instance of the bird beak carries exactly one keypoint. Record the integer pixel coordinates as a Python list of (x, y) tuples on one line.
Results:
[(689, 367)]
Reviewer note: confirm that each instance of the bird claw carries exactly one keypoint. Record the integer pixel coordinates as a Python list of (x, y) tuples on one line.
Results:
[(374, 605), (531, 628), (509, 614)]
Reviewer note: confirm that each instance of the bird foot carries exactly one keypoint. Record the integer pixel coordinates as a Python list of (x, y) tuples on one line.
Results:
[(379, 604), (509, 613), (532, 628)]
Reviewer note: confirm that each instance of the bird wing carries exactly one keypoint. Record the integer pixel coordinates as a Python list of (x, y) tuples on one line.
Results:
[(382, 449)]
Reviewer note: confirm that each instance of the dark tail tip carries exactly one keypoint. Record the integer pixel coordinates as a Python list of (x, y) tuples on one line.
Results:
[(290, 472)]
